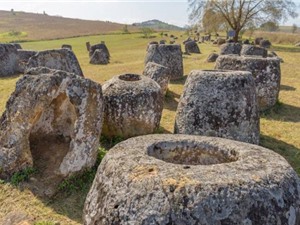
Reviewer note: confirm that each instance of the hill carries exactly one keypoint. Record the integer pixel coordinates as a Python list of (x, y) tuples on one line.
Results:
[(157, 25), (33, 26)]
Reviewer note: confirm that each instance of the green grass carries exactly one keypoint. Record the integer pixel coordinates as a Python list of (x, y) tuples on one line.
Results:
[(22, 176), (12, 36), (280, 126)]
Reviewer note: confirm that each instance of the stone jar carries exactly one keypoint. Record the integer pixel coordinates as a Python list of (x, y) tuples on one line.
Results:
[(8, 60), (52, 119), (191, 47), (99, 57), (133, 106), (219, 103), (169, 56), (192, 180), (23, 58), (230, 49), (158, 73), (266, 72), (101, 46), (212, 57), (58, 59), (254, 50)]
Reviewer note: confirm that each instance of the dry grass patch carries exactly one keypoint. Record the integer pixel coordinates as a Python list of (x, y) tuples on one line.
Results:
[(33, 26), (278, 37)]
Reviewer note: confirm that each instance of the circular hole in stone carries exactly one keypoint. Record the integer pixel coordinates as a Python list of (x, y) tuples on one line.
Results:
[(192, 153), (130, 77)]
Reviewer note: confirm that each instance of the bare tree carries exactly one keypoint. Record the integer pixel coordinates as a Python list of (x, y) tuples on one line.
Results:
[(239, 13), (294, 28), (213, 21)]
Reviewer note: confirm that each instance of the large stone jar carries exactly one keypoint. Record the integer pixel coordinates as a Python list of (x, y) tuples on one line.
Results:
[(133, 106), (219, 103), (169, 56), (230, 49), (254, 50), (158, 73), (8, 60), (53, 122), (58, 59), (266, 72), (192, 180)]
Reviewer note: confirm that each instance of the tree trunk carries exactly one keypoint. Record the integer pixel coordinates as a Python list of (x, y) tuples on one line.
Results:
[(236, 36)]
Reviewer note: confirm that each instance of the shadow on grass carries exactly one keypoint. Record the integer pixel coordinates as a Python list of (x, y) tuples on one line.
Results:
[(287, 88), (282, 112), (179, 81), (162, 130), (288, 151), (171, 100)]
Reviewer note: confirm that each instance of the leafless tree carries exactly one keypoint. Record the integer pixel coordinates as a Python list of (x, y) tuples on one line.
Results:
[(239, 13)]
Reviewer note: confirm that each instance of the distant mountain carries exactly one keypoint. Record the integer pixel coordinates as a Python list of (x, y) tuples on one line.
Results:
[(157, 24)]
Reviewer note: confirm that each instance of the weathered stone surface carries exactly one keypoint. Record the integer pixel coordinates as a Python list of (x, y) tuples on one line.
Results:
[(67, 46), (212, 57), (297, 44), (53, 122), (99, 57), (158, 73), (246, 42), (192, 180), (265, 43), (221, 41), (162, 42), (59, 59), (191, 47), (42, 70), (187, 40), (8, 60), (169, 56), (230, 41), (221, 104), (266, 72), (230, 49), (258, 40), (133, 106), (17, 45), (23, 58), (153, 43), (254, 50), (100, 46)]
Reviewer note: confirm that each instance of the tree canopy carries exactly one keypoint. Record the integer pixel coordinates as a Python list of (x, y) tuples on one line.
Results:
[(269, 26), (238, 14)]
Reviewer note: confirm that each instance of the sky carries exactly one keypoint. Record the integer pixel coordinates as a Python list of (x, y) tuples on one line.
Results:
[(121, 11)]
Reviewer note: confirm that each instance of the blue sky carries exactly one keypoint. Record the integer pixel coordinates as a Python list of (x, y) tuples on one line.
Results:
[(123, 11)]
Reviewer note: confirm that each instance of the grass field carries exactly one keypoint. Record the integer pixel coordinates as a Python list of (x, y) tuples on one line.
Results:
[(280, 127), (24, 26)]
